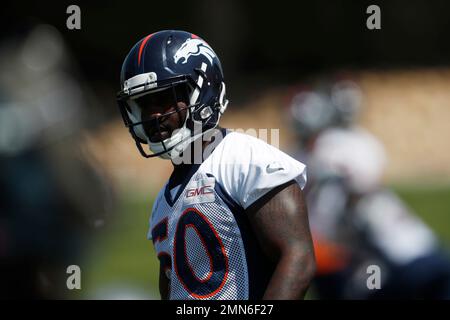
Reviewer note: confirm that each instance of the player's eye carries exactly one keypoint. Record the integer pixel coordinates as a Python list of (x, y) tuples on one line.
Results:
[(164, 100), (156, 102)]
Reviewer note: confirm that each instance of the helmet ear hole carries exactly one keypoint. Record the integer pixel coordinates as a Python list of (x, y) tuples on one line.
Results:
[(206, 112)]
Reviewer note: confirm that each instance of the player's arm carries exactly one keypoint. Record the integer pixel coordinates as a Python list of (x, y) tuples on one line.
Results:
[(280, 221)]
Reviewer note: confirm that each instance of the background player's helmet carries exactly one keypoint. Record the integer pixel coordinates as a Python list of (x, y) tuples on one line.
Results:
[(311, 112), (328, 105), (346, 97), (187, 66)]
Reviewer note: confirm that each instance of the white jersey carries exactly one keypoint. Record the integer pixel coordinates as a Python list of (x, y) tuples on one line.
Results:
[(200, 231), (353, 153)]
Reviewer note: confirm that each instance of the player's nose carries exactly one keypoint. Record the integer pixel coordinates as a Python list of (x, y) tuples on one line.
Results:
[(150, 113)]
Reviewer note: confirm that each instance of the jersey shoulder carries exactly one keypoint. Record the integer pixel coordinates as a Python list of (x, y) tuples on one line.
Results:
[(248, 167), (351, 153)]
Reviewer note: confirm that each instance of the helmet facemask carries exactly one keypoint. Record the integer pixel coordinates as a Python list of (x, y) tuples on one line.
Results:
[(194, 116)]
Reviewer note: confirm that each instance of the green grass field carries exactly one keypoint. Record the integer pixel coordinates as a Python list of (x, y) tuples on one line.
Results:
[(122, 257)]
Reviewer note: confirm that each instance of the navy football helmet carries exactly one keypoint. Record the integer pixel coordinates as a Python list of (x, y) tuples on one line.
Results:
[(183, 66)]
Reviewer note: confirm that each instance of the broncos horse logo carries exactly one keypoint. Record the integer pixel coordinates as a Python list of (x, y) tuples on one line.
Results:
[(194, 47)]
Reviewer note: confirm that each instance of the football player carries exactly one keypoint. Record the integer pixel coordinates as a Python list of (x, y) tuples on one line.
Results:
[(357, 221), (231, 221)]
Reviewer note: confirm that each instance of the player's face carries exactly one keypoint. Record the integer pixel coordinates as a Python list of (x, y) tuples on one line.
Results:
[(163, 112)]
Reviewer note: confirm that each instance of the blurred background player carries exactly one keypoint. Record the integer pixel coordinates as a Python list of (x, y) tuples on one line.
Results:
[(357, 221), (53, 193)]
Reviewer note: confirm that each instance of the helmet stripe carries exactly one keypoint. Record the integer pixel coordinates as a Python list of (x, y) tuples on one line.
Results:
[(196, 92), (141, 48)]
